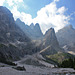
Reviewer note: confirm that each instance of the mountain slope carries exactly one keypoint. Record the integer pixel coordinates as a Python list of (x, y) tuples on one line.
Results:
[(32, 31), (36, 60), (50, 44), (66, 38), (13, 41)]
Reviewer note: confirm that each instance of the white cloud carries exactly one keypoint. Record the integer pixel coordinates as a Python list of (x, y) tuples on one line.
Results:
[(61, 10), (13, 2), (1, 2), (56, 0), (48, 16), (27, 18), (18, 0), (51, 16), (10, 2), (72, 14), (15, 12)]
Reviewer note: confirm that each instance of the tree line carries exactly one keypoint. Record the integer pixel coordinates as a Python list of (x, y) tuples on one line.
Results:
[(68, 63)]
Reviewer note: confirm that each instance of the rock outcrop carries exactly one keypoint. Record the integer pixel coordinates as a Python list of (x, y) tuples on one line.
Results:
[(32, 31), (50, 44), (14, 43), (66, 37)]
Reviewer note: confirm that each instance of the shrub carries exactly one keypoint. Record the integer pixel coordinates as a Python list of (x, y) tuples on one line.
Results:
[(20, 68), (10, 63), (69, 63)]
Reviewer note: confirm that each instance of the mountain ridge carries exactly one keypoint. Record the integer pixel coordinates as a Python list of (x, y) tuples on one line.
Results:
[(32, 31), (18, 39), (50, 44), (14, 43), (66, 37)]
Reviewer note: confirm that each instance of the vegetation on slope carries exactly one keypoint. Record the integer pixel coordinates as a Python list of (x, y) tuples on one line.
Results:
[(63, 60), (69, 63), (59, 57)]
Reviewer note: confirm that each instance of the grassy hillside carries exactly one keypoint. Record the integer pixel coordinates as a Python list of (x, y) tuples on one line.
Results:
[(59, 57)]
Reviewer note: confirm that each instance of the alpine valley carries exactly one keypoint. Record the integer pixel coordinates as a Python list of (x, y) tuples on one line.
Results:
[(25, 50)]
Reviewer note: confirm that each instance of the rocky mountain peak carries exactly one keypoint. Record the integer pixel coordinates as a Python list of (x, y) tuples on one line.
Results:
[(50, 43), (19, 22), (49, 32), (4, 10), (50, 38), (32, 31), (14, 43), (66, 36), (37, 26), (32, 26), (50, 35), (6, 15), (69, 26), (37, 29), (18, 19)]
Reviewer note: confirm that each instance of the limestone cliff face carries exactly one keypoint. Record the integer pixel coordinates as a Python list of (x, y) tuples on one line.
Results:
[(50, 38), (14, 43), (32, 31), (5, 15), (50, 44), (66, 37)]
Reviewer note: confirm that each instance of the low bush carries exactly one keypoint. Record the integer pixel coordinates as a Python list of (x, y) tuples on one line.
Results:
[(20, 68), (69, 63)]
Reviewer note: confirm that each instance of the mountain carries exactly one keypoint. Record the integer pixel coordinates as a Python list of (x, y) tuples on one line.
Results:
[(50, 38), (37, 30), (51, 49), (66, 38), (50, 44), (32, 26), (15, 40), (32, 31), (14, 43)]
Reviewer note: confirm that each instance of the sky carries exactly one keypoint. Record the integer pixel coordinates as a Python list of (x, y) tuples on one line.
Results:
[(48, 13)]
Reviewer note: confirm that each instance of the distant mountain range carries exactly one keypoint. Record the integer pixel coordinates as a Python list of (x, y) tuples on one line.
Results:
[(18, 39), (32, 31), (14, 43), (66, 38)]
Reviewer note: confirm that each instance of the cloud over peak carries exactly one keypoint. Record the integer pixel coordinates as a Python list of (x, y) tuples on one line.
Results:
[(48, 16), (51, 16), (56, 0)]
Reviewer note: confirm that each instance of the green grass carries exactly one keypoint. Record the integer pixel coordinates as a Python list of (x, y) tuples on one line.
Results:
[(59, 57)]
